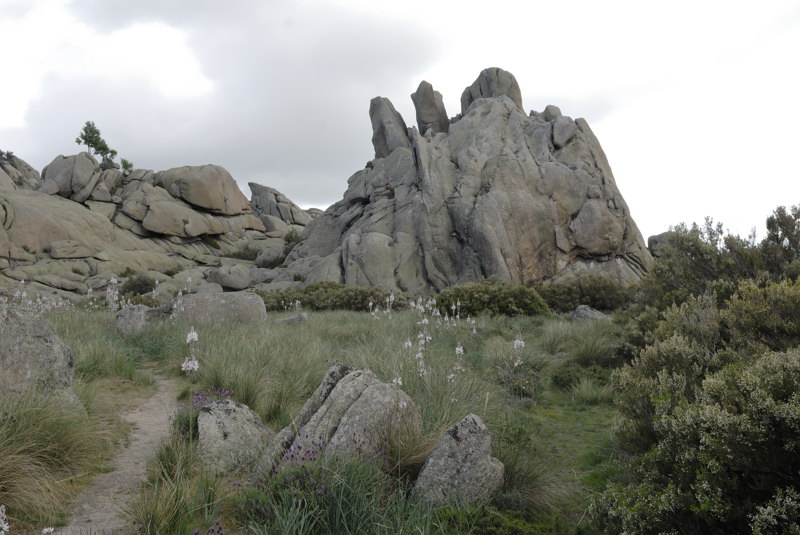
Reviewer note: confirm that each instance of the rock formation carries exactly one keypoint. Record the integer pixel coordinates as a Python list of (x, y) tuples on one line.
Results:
[(230, 436), (493, 194)]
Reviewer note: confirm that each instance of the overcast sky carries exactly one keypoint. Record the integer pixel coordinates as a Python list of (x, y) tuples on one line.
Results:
[(696, 102)]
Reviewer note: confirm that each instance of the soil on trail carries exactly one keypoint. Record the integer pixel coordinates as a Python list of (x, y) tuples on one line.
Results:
[(98, 509)]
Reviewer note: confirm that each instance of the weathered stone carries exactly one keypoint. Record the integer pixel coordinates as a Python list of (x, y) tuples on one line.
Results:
[(22, 175), (235, 307), (551, 112), (389, 130), (492, 82), (267, 201), (491, 199), (585, 312), (31, 355), (460, 470), (73, 177), (233, 277), (431, 114), (230, 436), (351, 414), (207, 186), (563, 131), (69, 249)]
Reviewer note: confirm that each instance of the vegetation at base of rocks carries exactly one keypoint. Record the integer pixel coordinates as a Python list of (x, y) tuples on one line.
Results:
[(248, 253), (597, 291), (708, 401), (138, 284), (491, 298), (332, 296), (208, 240)]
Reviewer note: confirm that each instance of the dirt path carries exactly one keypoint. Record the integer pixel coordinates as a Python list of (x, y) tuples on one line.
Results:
[(98, 509)]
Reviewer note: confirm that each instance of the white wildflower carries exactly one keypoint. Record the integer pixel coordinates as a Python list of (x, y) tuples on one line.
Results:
[(190, 364), (459, 350), (397, 380), (519, 343), (45, 531), (407, 344), (192, 336)]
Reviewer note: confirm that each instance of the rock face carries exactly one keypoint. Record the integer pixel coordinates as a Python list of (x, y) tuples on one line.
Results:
[(460, 470), (230, 436), (146, 221), (501, 195), (31, 355), (350, 414)]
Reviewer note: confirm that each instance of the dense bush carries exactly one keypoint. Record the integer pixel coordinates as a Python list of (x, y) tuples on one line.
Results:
[(491, 298), (597, 291), (138, 284), (766, 317), (332, 296), (725, 462)]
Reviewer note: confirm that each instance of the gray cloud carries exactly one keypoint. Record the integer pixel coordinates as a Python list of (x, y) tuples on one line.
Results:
[(291, 99)]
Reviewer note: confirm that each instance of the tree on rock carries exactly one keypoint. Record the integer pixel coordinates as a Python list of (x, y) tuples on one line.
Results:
[(90, 136)]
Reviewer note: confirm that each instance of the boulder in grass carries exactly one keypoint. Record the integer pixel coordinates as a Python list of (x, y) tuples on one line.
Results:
[(235, 307), (230, 436), (461, 469)]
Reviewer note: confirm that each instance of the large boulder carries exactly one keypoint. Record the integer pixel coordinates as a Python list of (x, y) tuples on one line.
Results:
[(230, 436), (210, 187), (501, 195), (460, 470), (31, 354), (73, 176), (133, 319), (235, 307), (351, 414)]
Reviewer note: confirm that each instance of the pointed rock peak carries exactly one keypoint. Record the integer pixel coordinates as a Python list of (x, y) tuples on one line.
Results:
[(492, 82), (389, 130), (431, 114)]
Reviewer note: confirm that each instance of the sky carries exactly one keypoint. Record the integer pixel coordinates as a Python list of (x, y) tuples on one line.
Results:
[(695, 102)]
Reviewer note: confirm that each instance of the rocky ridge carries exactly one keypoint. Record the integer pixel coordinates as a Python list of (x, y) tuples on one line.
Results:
[(492, 193)]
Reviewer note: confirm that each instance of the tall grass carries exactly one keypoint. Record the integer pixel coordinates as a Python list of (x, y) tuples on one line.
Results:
[(43, 443), (99, 350)]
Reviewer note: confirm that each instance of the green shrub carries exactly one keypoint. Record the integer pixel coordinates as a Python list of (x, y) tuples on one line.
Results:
[(595, 290), (248, 253), (333, 296), (725, 461), (138, 284), (766, 316), (491, 298)]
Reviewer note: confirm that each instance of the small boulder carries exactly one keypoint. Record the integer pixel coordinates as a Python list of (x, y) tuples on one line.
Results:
[(206, 186), (230, 436), (270, 257), (585, 312), (460, 470)]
